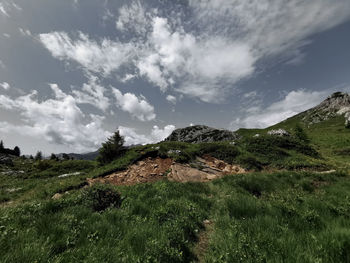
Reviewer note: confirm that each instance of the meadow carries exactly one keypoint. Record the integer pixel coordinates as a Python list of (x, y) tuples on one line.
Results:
[(292, 206)]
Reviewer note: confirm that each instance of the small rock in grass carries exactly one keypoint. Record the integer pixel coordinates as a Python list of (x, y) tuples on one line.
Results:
[(56, 196)]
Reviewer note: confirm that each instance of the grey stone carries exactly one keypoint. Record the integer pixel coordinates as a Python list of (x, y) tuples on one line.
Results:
[(201, 133)]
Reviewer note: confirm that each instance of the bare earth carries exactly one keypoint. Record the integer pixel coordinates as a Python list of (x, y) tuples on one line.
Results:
[(153, 169)]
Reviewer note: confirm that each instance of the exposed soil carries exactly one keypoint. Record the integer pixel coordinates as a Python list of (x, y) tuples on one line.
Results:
[(147, 170), (203, 241), (154, 169)]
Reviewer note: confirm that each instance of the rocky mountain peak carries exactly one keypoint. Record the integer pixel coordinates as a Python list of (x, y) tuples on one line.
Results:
[(201, 133), (336, 104)]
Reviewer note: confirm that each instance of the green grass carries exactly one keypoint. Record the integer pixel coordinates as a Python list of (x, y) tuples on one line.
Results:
[(290, 220), (287, 212), (259, 217)]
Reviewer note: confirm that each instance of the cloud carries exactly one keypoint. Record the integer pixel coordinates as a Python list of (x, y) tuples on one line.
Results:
[(138, 107), (58, 120), (270, 27), (102, 57), (206, 54), (293, 103), (128, 77), (92, 93), (132, 17), (156, 135), (16, 6), (171, 99), (25, 32), (3, 10), (5, 85)]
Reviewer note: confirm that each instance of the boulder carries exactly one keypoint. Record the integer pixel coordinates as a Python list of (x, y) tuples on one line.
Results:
[(279, 132), (6, 160), (201, 133)]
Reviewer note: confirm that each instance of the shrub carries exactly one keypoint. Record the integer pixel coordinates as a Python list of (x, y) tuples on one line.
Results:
[(100, 197), (300, 134), (43, 165), (250, 163), (221, 151)]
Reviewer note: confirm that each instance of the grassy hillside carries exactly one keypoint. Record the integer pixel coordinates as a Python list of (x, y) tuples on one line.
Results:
[(285, 216), (288, 208), (330, 138)]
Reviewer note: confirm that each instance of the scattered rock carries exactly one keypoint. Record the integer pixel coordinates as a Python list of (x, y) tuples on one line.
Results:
[(201, 133), (6, 160), (56, 196), (207, 222), (336, 104), (11, 190), (70, 174), (279, 132), (174, 152)]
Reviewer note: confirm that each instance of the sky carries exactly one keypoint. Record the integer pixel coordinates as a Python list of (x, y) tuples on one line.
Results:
[(73, 72)]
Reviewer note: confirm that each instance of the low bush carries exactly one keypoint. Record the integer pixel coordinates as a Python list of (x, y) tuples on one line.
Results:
[(100, 197)]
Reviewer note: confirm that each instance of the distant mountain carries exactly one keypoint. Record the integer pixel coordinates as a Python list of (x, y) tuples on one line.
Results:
[(83, 156), (201, 133)]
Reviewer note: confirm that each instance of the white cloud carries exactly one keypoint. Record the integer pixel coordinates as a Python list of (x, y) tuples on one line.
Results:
[(92, 93), (132, 137), (58, 120), (206, 54), (2, 65), (103, 57), (138, 107), (16, 6), (5, 85), (171, 99), (3, 10), (128, 77), (6, 35), (132, 17), (25, 32), (156, 135), (293, 103)]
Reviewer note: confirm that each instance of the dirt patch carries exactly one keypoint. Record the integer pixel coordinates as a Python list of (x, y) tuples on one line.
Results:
[(147, 170), (221, 166), (203, 241), (154, 169)]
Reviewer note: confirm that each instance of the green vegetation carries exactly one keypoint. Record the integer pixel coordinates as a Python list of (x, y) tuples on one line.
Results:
[(289, 208), (16, 151), (111, 149), (260, 217)]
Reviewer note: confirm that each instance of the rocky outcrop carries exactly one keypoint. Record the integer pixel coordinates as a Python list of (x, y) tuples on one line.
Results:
[(201, 133), (6, 160), (153, 169), (279, 132), (336, 104)]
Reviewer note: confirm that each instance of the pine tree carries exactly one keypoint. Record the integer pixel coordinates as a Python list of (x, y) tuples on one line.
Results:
[(1, 146), (65, 157), (38, 156), (17, 151), (53, 157), (112, 148)]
